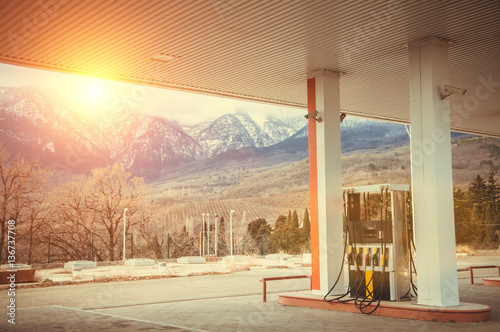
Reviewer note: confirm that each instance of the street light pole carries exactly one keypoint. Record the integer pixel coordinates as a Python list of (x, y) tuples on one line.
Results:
[(124, 231), (208, 234), (231, 231), (216, 236), (48, 256), (203, 234)]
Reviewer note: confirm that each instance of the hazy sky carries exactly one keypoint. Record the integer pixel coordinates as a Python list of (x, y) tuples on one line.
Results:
[(94, 95)]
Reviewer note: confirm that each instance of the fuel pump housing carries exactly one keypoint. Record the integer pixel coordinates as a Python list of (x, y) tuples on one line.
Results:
[(378, 244)]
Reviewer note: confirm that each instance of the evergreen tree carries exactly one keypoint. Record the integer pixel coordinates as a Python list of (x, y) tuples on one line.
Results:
[(278, 237), (306, 224), (306, 232), (466, 229), (477, 190), (280, 226), (295, 236), (257, 227), (484, 212), (491, 208), (258, 232), (222, 248), (295, 222), (289, 219), (492, 189)]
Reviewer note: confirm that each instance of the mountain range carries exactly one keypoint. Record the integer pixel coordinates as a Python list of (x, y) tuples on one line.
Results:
[(36, 121)]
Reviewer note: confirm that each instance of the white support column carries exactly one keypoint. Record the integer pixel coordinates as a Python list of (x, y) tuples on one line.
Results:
[(432, 181), (329, 182)]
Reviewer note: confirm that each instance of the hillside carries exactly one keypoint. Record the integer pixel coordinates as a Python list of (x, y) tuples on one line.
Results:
[(189, 214), (254, 184), (254, 173)]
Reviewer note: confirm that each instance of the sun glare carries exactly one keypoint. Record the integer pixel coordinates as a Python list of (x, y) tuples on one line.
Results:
[(93, 96), (94, 92)]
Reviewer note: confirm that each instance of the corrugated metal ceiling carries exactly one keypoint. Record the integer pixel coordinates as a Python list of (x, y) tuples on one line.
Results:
[(262, 50)]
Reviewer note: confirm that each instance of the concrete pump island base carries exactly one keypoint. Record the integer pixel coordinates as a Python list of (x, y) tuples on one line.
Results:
[(491, 282), (463, 313)]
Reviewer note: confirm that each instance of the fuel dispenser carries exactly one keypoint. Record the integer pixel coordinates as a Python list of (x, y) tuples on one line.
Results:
[(378, 244)]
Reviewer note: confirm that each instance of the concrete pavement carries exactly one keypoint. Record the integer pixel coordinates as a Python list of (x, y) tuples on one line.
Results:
[(224, 302)]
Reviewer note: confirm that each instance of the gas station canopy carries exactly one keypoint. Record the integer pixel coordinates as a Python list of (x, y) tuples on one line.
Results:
[(263, 50)]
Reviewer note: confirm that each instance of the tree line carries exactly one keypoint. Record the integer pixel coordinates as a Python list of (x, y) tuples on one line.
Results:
[(82, 217), (287, 235), (477, 212), (477, 222)]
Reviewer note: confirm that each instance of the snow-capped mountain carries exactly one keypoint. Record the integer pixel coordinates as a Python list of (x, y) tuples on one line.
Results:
[(148, 145), (39, 121), (240, 130)]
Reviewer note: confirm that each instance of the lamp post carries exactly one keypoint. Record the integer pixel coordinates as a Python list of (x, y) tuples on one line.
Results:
[(208, 234), (216, 235), (48, 254), (124, 231), (202, 251), (132, 245), (231, 231)]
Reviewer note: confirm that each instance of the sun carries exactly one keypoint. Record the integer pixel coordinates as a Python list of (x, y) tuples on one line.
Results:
[(94, 92), (95, 97), (92, 97)]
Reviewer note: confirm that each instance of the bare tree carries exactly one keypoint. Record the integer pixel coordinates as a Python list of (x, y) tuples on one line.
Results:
[(72, 223), (20, 181), (33, 227), (147, 220), (96, 206), (183, 244), (113, 190)]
